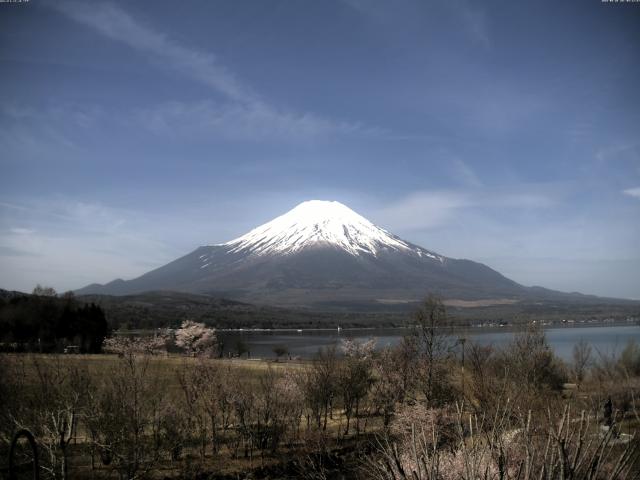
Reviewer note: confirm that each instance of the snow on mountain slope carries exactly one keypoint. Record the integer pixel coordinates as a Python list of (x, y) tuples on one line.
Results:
[(320, 253), (317, 222)]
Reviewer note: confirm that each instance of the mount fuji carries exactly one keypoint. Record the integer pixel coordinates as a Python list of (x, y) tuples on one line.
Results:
[(322, 254)]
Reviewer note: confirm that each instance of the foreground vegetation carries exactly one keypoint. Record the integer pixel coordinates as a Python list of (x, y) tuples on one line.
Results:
[(415, 411)]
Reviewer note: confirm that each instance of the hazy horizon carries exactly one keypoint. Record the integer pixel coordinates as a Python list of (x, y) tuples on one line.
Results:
[(505, 133)]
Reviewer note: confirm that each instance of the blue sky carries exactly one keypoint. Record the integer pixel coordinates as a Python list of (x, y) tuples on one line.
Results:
[(503, 132)]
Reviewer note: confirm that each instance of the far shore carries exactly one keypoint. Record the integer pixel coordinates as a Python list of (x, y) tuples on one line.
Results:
[(501, 326)]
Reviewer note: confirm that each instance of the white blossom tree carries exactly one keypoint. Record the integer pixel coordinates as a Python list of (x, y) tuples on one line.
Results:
[(196, 338), (360, 350), (124, 345)]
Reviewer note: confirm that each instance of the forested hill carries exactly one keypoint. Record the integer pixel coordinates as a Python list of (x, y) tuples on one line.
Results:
[(168, 309)]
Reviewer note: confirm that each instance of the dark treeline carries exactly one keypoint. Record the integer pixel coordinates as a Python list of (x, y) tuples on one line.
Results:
[(44, 322)]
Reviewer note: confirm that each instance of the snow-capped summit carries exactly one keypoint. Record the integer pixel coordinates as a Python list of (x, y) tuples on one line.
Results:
[(320, 254), (318, 222)]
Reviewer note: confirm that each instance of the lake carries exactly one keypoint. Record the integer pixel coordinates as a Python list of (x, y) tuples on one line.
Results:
[(606, 339)]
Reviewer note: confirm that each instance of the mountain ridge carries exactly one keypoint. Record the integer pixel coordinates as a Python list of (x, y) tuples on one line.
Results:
[(321, 254)]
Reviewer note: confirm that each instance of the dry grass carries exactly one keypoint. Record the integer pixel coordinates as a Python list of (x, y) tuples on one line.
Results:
[(163, 365)]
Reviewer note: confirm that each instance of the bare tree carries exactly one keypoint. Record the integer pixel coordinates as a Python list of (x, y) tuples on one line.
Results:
[(56, 399), (389, 385), (244, 403), (434, 343), (354, 377), (531, 363), (280, 350), (406, 357), (242, 348), (41, 291), (125, 420), (319, 384), (484, 383), (581, 360), (292, 401), (193, 383), (208, 395)]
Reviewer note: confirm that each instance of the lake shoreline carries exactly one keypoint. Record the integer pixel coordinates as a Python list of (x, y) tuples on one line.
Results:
[(490, 326)]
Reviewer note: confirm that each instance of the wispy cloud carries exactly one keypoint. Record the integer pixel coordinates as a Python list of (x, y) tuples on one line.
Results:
[(240, 113), (68, 243), (118, 25), (467, 18), (424, 210), (464, 174), (253, 121), (21, 231), (35, 133), (618, 151), (632, 192), (473, 21)]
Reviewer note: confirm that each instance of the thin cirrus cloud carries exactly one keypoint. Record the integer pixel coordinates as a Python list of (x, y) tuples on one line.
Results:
[(34, 133), (472, 22), (118, 25), (21, 231), (243, 114), (424, 210), (463, 173), (632, 192), (241, 121), (67, 244)]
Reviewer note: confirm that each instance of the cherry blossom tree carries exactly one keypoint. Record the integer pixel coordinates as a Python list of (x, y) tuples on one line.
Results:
[(144, 345), (196, 338)]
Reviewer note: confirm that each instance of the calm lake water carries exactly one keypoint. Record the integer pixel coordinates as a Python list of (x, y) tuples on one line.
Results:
[(605, 339)]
